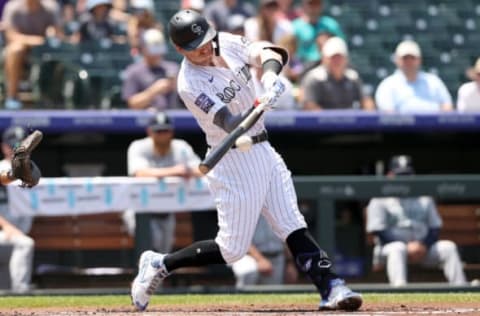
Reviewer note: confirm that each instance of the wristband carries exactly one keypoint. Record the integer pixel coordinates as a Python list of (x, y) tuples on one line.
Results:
[(272, 65)]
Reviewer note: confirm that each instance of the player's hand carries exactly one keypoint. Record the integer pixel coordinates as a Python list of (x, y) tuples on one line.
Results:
[(11, 231), (264, 266), (182, 170), (270, 100), (272, 83), (416, 251)]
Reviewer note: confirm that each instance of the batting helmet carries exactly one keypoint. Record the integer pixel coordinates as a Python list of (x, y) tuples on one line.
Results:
[(189, 30)]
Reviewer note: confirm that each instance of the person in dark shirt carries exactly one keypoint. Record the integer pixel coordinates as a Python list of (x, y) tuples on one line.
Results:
[(151, 81), (333, 85)]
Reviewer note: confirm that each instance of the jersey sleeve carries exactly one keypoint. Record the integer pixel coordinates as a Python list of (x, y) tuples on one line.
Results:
[(434, 219), (248, 51), (189, 157), (135, 160), (376, 216), (202, 104)]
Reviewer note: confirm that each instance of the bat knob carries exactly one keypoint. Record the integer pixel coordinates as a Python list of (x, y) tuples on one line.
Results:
[(204, 169)]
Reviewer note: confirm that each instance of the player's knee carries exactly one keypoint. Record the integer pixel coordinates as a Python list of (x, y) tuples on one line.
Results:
[(397, 247), (232, 255), (447, 246), (24, 241)]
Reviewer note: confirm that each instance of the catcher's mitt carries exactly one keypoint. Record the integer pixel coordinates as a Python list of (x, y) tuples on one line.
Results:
[(22, 167)]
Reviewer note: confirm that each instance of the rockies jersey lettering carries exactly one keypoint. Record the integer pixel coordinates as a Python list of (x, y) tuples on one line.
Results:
[(229, 92), (244, 184)]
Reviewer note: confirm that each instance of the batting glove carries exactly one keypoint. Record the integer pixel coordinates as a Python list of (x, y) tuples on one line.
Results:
[(271, 82), (269, 99)]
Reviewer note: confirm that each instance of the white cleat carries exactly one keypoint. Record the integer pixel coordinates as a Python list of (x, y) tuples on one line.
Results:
[(341, 297), (151, 272)]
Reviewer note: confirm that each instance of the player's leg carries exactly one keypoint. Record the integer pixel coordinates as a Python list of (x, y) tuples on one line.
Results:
[(245, 271), (281, 210), (445, 252), (239, 197), (396, 255), (21, 262)]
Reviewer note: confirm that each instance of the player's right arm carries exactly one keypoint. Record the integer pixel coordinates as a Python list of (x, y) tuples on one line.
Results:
[(6, 177)]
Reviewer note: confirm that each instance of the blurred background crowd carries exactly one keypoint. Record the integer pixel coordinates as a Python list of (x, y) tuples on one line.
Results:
[(389, 55)]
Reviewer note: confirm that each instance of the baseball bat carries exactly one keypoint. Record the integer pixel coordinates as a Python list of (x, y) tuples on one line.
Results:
[(218, 152)]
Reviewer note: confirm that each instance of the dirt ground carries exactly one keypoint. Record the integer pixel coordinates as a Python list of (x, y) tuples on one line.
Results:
[(263, 310)]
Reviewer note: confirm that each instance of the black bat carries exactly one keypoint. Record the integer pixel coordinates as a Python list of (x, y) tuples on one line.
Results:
[(218, 152)]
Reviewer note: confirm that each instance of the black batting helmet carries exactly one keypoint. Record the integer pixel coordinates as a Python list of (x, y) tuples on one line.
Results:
[(189, 30)]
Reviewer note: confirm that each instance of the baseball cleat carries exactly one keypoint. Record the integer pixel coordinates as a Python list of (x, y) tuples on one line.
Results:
[(151, 272), (341, 297)]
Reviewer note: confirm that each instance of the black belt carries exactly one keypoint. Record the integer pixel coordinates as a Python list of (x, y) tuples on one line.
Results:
[(263, 136)]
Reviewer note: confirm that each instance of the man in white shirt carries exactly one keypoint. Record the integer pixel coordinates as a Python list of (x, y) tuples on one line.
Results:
[(409, 89), (468, 96)]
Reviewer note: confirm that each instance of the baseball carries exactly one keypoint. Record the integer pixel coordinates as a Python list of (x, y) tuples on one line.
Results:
[(244, 143)]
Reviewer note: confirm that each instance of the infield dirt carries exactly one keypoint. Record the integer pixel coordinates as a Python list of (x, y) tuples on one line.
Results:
[(256, 309)]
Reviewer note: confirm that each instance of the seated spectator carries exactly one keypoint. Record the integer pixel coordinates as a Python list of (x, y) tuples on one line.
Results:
[(26, 24), (406, 230), (141, 19), (96, 24), (309, 26), (333, 85), (266, 261), (294, 68), (151, 81), (468, 96), (267, 25), (409, 89), (219, 12), (289, 10), (14, 228), (196, 5)]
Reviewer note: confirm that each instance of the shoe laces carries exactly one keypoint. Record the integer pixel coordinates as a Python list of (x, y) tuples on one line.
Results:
[(161, 274)]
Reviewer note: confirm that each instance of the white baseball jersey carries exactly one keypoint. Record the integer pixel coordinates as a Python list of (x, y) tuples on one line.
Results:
[(244, 184), (408, 219)]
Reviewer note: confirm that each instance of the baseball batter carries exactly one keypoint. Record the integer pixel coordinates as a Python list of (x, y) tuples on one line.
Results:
[(216, 85)]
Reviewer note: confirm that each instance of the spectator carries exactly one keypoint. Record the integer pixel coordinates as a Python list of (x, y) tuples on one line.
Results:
[(151, 81), (409, 89), (160, 155), (219, 12), (26, 24), (268, 24), (294, 68), (13, 229), (197, 5), (310, 26), (96, 24), (236, 24), (289, 10), (142, 19), (266, 261), (407, 229), (468, 96), (333, 85)]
